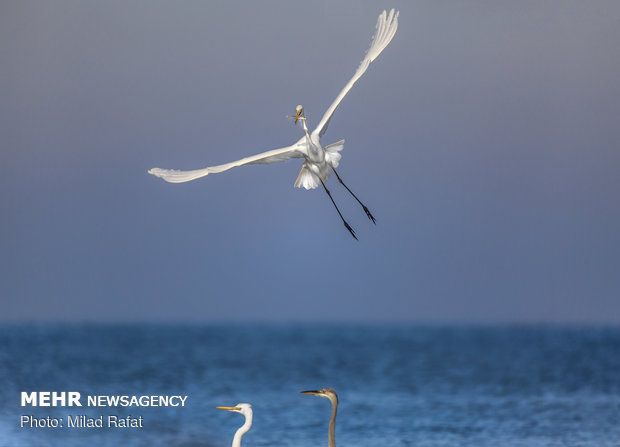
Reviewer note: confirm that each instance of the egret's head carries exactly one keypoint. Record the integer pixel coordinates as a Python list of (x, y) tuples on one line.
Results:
[(299, 113), (244, 409), (328, 393)]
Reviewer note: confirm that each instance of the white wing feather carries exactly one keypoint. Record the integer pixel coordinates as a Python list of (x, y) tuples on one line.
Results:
[(273, 156), (386, 28)]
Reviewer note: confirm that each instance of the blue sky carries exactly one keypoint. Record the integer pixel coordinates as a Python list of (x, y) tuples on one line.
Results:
[(485, 140)]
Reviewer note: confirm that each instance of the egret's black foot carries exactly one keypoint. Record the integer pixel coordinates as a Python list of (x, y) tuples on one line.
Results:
[(370, 216), (348, 227)]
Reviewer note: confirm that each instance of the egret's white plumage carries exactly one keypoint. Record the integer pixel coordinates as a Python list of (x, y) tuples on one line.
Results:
[(245, 410), (318, 159)]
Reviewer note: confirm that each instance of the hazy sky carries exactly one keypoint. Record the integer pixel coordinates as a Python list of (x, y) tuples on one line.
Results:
[(485, 139)]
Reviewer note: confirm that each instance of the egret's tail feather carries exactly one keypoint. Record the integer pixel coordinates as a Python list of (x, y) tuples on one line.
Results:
[(176, 176), (310, 180), (306, 178)]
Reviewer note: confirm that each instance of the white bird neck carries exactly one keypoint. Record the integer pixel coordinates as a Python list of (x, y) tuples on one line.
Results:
[(242, 430), (315, 151), (303, 122)]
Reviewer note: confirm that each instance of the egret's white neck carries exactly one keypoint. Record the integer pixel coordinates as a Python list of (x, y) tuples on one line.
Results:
[(242, 430), (303, 123), (312, 145)]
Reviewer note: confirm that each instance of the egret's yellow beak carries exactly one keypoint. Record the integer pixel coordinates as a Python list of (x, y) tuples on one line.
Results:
[(229, 408), (297, 115)]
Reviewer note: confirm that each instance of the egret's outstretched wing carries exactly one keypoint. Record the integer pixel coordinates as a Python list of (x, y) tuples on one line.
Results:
[(175, 176), (386, 28)]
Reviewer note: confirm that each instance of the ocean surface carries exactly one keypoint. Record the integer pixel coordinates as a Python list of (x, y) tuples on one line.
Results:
[(398, 385)]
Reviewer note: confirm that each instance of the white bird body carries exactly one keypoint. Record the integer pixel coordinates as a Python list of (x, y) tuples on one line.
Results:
[(318, 159)]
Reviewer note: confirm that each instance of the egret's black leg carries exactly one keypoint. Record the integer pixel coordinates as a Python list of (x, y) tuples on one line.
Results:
[(366, 210), (347, 226)]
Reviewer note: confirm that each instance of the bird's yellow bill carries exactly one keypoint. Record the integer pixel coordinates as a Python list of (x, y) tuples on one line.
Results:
[(314, 392), (297, 115), (229, 408)]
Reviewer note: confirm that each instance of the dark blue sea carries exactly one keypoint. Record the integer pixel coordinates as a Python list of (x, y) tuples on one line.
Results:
[(398, 385)]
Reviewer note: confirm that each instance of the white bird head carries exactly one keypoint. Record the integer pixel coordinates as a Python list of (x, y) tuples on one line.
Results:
[(244, 409), (299, 113)]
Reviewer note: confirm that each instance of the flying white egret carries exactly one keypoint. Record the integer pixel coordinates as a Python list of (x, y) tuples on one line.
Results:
[(246, 410), (319, 160), (328, 393)]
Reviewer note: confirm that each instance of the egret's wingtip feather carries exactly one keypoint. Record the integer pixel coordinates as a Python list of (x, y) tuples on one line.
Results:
[(177, 176), (385, 30)]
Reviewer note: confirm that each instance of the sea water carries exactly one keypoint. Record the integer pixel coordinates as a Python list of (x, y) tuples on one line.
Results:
[(398, 385)]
